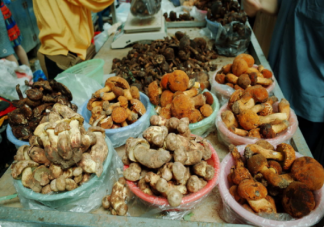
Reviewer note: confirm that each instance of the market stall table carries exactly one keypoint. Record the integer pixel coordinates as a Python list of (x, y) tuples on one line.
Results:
[(206, 211)]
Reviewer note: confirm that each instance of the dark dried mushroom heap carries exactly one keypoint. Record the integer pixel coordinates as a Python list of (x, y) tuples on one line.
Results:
[(223, 11), (146, 63), (115, 105), (37, 104), (173, 17), (62, 155)]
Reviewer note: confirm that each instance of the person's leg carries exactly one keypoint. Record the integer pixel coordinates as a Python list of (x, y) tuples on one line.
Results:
[(21, 53), (312, 132), (12, 58)]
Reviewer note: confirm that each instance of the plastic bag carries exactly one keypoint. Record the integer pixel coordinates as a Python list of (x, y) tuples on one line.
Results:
[(233, 212), (119, 136), (233, 39), (227, 137), (81, 86), (154, 205), (224, 92), (82, 199), (204, 127), (198, 14), (10, 76), (143, 9), (122, 12)]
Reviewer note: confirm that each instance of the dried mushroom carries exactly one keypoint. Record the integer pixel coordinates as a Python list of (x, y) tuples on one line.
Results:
[(61, 155), (36, 106)]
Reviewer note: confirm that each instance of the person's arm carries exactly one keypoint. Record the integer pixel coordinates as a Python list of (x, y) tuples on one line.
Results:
[(93, 5), (251, 7)]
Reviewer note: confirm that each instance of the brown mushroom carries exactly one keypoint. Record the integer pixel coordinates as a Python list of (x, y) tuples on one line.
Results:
[(178, 81), (285, 153), (284, 107), (240, 173), (265, 144), (255, 79), (229, 119), (153, 92), (258, 164), (118, 81), (309, 171), (119, 114), (270, 131), (236, 95), (254, 133), (244, 81), (298, 200)]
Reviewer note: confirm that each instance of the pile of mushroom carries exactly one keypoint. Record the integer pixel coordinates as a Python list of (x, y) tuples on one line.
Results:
[(146, 63), (62, 155), (38, 102), (173, 17), (116, 105), (241, 74), (223, 11), (168, 161), (251, 113), (274, 181), (179, 96)]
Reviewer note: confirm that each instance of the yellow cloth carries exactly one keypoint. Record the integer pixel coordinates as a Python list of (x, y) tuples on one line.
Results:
[(66, 25)]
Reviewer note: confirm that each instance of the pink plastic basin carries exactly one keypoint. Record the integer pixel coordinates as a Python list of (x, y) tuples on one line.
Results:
[(188, 201), (233, 212), (228, 137)]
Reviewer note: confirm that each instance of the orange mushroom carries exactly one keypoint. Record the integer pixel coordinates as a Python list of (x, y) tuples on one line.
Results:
[(247, 58), (134, 92), (119, 114), (227, 68), (266, 73), (178, 81), (165, 81), (239, 66), (153, 92), (206, 110), (220, 78), (166, 98)]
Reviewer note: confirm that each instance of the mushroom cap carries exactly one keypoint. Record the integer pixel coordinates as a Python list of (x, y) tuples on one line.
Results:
[(206, 110), (244, 81), (266, 73), (276, 166), (123, 101), (240, 174), (289, 154), (195, 116), (118, 81), (138, 106), (134, 92), (267, 109), (166, 98), (256, 163), (220, 78), (118, 91), (251, 190), (236, 95), (248, 119), (229, 119), (178, 81), (309, 171), (227, 68), (265, 144), (153, 93), (166, 112), (209, 98), (259, 93), (34, 94), (181, 106), (239, 66), (298, 200), (165, 81), (119, 114), (267, 131), (247, 58)]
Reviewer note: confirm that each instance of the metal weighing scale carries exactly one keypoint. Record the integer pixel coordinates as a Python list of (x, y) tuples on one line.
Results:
[(135, 30)]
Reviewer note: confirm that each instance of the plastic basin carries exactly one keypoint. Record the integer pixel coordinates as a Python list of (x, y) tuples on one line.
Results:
[(189, 200), (119, 136), (228, 137), (92, 68), (233, 212), (68, 197), (18, 143), (213, 26)]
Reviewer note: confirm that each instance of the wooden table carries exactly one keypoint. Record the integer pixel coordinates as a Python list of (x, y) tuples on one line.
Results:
[(205, 214)]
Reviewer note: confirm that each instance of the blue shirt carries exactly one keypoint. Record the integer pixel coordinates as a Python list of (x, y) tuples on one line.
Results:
[(297, 56)]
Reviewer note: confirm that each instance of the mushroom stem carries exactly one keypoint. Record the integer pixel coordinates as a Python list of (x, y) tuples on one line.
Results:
[(270, 131), (284, 107), (238, 131), (231, 78), (272, 117)]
